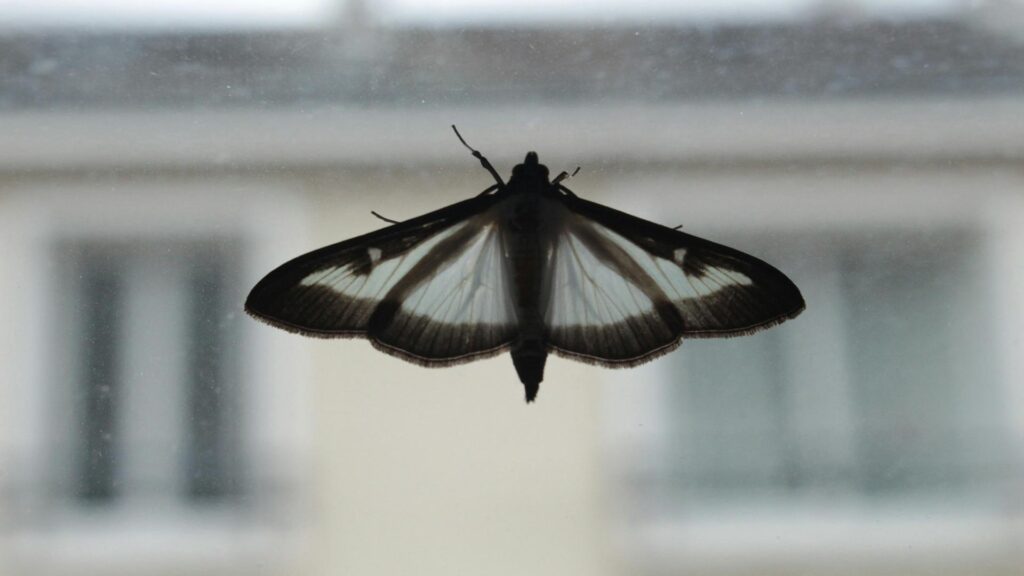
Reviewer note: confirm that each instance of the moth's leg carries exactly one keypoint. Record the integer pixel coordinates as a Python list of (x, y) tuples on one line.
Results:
[(567, 192), (489, 189), (483, 161), (388, 220), (565, 175)]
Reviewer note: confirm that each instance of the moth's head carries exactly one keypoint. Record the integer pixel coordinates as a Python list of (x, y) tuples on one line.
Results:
[(531, 170)]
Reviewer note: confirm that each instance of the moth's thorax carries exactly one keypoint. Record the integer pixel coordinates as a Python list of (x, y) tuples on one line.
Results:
[(534, 215), (530, 177)]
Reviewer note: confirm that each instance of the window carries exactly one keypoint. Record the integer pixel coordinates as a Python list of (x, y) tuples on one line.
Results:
[(875, 427), (151, 378), (147, 400)]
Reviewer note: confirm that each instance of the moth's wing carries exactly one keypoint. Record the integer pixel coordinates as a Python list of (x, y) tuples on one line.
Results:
[(625, 290), (432, 290)]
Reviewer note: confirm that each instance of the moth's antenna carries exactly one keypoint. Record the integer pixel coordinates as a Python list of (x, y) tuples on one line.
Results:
[(389, 220), (483, 161)]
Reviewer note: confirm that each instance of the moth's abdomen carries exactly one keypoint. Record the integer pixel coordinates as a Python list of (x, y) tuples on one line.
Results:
[(529, 358)]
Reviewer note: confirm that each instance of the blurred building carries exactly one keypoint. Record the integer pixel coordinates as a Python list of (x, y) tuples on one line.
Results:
[(149, 426)]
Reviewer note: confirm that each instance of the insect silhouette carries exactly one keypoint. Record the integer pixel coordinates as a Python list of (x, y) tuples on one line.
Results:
[(529, 267)]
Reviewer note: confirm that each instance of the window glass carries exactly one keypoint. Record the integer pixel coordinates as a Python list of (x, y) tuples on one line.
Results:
[(157, 159)]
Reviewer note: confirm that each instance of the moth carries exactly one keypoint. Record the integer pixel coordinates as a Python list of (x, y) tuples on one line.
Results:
[(529, 267)]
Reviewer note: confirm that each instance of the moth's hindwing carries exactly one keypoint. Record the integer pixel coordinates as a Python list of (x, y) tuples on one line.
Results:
[(432, 290), (626, 290)]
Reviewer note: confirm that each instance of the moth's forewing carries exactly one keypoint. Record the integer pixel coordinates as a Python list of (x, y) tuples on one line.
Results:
[(627, 290), (430, 290)]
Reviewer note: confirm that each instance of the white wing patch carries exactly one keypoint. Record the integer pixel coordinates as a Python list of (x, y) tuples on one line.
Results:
[(595, 312), (473, 288), (586, 291), (669, 275), (460, 309), (615, 303), (383, 274)]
